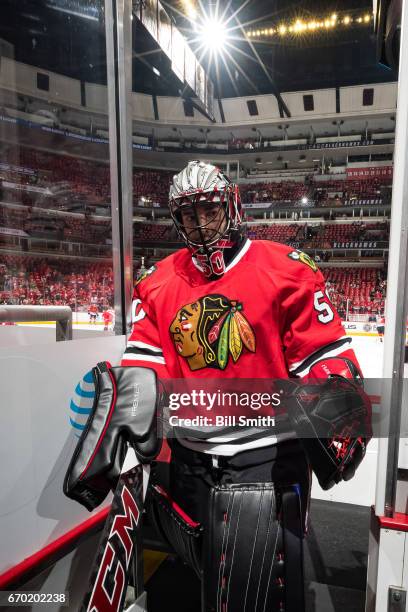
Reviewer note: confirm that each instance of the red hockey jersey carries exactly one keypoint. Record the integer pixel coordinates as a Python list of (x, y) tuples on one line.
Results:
[(266, 317)]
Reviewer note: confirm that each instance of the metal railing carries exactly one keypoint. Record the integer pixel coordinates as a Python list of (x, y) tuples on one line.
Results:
[(62, 315)]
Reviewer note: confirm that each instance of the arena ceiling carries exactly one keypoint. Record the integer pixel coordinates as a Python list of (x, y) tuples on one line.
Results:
[(70, 41), (312, 59)]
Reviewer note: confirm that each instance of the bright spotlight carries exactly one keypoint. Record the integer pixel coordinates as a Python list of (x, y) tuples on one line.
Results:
[(212, 35), (304, 200)]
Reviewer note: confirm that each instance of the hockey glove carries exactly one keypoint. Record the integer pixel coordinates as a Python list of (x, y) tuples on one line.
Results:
[(124, 411), (332, 419)]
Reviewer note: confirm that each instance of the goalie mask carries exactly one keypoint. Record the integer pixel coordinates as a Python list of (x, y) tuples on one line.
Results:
[(206, 209)]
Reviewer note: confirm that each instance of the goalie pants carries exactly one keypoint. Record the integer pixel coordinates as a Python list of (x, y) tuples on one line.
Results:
[(253, 508)]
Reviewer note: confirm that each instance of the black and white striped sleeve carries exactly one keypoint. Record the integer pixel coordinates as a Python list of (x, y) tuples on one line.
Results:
[(144, 347)]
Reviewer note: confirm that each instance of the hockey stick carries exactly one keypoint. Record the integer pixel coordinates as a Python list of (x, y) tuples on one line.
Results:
[(120, 550)]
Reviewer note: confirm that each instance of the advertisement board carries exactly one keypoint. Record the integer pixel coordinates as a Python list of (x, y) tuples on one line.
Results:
[(369, 172)]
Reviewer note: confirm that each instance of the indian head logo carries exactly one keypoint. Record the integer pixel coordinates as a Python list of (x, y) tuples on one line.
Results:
[(210, 330)]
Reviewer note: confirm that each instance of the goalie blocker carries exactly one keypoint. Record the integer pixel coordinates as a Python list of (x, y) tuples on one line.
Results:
[(124, 412), (331, 415)]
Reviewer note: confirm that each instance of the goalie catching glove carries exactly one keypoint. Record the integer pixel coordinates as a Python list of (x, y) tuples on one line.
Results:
[(124, 411), (331, 415)]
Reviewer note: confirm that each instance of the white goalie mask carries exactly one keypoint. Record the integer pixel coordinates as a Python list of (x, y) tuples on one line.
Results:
[(206, 209)]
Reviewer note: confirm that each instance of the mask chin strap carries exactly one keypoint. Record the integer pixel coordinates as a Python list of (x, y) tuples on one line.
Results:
[(214, 265)]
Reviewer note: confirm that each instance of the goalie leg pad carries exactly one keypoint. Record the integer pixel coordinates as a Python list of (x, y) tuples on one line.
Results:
[(244, 568), (124, 410)]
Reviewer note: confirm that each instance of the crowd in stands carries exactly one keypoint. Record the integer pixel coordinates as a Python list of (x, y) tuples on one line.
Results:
[(45, 281), (316, 236), (331, 235), (269, 192), (151, 232), (31, 280), (53, 225), (93, 230), (322, 236), (276, 232), (57, 173), (332, 192), (58, 181), (338, 192), (365, 288), (42, 180), (14, 219), (34, 178), (151, 185)]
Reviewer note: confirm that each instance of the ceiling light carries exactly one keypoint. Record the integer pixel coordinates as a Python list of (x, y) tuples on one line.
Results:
[(212, 34)]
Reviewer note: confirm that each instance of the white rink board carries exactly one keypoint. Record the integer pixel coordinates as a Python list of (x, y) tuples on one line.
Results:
[(37, 440), (25, 334)]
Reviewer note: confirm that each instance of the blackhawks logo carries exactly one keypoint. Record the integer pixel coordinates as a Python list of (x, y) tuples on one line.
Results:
[(303, 258), (210, 330)]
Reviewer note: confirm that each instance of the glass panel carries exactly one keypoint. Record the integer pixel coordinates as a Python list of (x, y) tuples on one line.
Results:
[(55, 211)]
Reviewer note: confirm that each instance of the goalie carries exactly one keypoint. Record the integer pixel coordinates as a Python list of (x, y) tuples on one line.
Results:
[(227, 307)]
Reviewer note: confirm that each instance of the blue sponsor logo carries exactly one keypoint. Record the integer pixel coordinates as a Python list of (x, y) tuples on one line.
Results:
[(81, 403)]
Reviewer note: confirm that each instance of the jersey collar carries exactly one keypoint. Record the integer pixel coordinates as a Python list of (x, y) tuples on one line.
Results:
[(238, 256)]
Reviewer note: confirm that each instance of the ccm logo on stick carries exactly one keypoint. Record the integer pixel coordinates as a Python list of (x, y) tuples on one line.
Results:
[(111, 581)]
